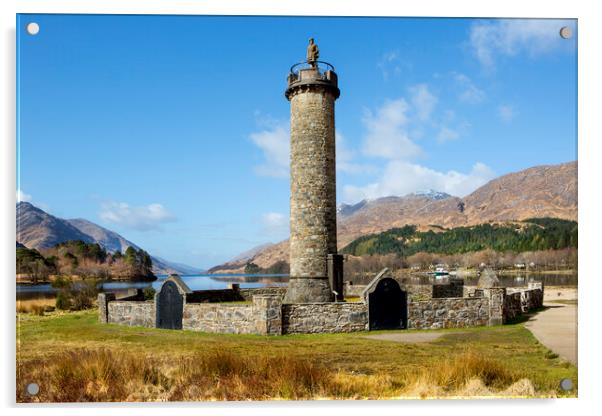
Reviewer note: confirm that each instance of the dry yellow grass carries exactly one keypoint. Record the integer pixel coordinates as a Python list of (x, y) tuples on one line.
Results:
[(84, 375), (73, 357), (35, 306)]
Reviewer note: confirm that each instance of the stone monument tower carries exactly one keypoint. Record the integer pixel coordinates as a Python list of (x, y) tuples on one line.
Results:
[(312, 91)]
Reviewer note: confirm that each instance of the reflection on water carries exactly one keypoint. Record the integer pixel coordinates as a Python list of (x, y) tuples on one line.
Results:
[(195, 282), (206, 282)]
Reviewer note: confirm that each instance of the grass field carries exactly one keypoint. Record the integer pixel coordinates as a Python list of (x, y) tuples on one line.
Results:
[(74, 358)]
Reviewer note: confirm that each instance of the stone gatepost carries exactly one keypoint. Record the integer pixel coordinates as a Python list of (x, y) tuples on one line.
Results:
[(537, 296), (268, 314), (496, 304), (103, 306)]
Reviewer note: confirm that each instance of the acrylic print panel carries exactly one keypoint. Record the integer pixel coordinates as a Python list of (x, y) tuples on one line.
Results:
[(262, 208)]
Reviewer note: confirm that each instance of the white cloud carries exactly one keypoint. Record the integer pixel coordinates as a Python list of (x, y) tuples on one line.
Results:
[(386, 132), (274, 141), (346, 156), (402, 178), (506, 112), (423, 101), (141, 218), (447, 134), (275, 144), (509, 37), (22, 196), (468, 91), (275, 223), (390, 64)]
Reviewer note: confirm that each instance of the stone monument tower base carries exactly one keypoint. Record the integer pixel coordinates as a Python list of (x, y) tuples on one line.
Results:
[(303, 290)]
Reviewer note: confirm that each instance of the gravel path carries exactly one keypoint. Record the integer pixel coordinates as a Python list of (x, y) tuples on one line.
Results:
[(409, 338), (556, 328)]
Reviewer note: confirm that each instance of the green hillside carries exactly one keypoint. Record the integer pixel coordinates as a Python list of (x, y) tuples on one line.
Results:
[(529, 235)]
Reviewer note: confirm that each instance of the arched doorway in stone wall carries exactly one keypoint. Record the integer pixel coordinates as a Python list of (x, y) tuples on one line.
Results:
[(387, 306), (170, 306)]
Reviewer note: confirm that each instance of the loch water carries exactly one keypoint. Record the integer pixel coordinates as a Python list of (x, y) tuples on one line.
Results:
[(208, 281)]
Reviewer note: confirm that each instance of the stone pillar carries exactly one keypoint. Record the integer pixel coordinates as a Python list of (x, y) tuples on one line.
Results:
[(537, 291), (268, 314), (496, 304), (103, 306), (313, 226)]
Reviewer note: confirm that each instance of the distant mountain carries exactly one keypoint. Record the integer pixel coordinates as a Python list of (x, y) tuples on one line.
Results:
[(240, 261), (110, 240), (167, 267), (345, 210), (541, 191), (38, 229), (249, 254)]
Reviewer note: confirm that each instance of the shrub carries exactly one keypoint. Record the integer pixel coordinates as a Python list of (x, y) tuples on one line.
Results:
[(80, 301), (84, 294), (63, 302), (149, 293), (61, 282)]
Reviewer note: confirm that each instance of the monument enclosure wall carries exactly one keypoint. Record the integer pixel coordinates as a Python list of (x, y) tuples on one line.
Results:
[(132, 313), (268, 315), (308, 318), (448, 313)]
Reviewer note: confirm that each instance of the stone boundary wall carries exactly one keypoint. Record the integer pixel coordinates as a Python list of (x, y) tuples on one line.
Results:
[(214, 296), (531, 299), (234, 294), (267, 315), (219, 318), (415, 292), (353, 290), (311, 318), (471, 291), (249, 293), (448, 313), (132, 313), (512, 306), (453, 288), (262, 317)]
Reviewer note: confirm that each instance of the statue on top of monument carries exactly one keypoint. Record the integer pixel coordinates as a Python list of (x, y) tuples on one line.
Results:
[(312, 53)]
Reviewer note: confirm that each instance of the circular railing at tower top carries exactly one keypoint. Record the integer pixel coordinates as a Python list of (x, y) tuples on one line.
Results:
[(321, 65)]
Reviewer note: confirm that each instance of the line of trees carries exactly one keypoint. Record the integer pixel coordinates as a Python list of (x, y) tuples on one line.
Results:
[(529, 260), (85, 260), (280, 267)]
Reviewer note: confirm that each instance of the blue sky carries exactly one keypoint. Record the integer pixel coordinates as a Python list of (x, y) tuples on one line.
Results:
[(173, 130)]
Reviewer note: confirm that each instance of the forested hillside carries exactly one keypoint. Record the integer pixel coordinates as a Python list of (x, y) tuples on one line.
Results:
[(529, 235), (79, 258)]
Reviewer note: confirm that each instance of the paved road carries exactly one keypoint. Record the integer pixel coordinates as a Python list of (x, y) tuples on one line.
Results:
[(556, 328)]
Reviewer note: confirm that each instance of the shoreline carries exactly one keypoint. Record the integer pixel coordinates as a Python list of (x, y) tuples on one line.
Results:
[(23, 282)]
